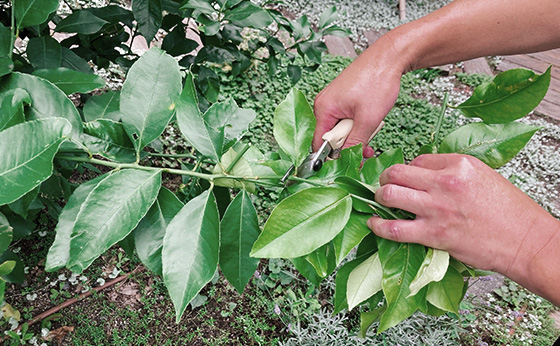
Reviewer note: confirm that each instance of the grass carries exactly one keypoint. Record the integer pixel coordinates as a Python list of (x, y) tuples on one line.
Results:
[(510, 315)]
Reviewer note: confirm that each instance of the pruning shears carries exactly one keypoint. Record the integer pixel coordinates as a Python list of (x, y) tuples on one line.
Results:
[(329, 150)]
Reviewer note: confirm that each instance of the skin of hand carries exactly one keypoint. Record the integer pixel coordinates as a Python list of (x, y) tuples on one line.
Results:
[(367, 89), (462, 205), (468, 209)]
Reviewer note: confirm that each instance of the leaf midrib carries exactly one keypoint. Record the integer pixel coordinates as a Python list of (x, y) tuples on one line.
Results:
[(391, 308), (487, 143), (484, 104), (88, 238), (308, 219), (144, 120), (46, 148), (25, 12)]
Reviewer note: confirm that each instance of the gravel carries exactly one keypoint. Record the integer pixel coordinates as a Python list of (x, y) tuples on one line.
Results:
[(359, 16)]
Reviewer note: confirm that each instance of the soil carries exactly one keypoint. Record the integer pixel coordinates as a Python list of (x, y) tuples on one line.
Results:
[(126, 305)]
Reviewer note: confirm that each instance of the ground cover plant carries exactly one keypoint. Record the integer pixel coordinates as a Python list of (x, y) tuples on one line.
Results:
[(135, 186)]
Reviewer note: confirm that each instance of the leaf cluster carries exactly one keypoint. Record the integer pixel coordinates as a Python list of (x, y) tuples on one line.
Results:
[(211, 223)]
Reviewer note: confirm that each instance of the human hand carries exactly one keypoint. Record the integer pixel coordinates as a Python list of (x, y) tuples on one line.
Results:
[(365, 92), (464, 207)]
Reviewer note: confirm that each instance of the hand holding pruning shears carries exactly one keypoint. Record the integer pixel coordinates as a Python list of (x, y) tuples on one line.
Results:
[(329, 150)]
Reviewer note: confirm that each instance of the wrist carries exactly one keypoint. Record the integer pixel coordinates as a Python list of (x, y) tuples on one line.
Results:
[(534, 265)]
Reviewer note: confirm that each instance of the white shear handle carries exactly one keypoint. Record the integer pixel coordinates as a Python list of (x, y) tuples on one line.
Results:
[(337, 136)]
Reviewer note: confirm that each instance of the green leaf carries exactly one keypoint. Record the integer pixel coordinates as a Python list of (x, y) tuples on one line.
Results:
[(428, 149), (6, 65), (328, 16), (301, 27), (353, 233), (294, 124), (494, 144), (105, 106), (368, 318), (5, 41), (202, 6), (208, 26), (228, 115), (149, 234), (239, 230), (433, 268), (110, 212), (294, 73), (148, 96), (149, 15), (72, 61), (47, 101), (191, 250), (249, 15), (109, 139), (307, 270), (357, 189), (209, 83), (348, 164), (511, 95), (303, 222), (21, 227), (6, 233), (81, 22), (7, 267), (113, 14), (364, 281), (241, 168), (12, 105), (17, 274), (71, 81), (21, 206), (447, 293), (2, 289), (399, 270), (341, 284), (44, 52), (336, 30), (373, 167), (313, 50), (323, 260), (205, 139), (58, 254), (29, 162), (176, 43), (368, 246), (33, 12)]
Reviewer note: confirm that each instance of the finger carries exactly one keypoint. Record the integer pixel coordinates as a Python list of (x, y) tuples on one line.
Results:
[(327, 114), (404, 231), (410, 176), (362, 133), (434, 161), (395, 196), (324, 125)]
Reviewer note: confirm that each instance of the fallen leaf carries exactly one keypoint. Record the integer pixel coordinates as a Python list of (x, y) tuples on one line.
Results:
[(9, 311), (58, 334)]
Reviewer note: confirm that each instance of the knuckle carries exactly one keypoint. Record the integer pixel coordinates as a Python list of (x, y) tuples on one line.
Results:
[(393, 173), (386, 194), (394, 232), (452, 182), (418, 161)]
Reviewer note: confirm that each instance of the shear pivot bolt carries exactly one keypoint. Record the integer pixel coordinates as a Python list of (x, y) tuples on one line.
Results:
[(317, 165)]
